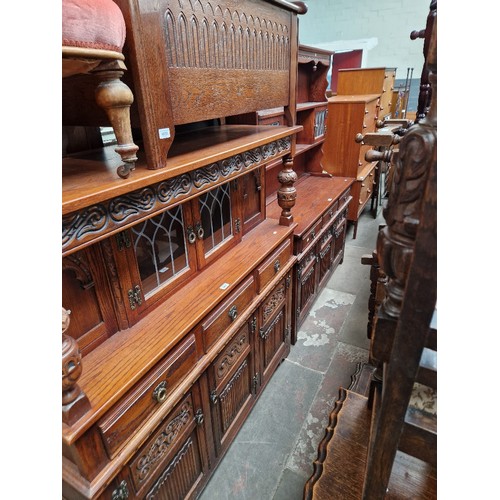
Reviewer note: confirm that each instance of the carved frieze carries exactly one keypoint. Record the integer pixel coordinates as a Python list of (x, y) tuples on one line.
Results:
[(93, 223)]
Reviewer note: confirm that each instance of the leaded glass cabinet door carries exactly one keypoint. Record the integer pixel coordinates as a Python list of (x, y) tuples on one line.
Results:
[(155, 257), (217, 221)]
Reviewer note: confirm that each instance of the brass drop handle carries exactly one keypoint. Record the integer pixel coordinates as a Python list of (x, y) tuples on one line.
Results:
[(277, 266), (191, 235), (160, 392), (233, 313), (199, 231)]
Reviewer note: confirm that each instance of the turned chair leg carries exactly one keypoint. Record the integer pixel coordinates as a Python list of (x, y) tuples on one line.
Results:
[(115, 98)]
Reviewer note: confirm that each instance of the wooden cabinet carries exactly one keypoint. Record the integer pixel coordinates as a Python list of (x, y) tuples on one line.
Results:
[(356, 81), (319, 238), (178, 281), (348, 117)]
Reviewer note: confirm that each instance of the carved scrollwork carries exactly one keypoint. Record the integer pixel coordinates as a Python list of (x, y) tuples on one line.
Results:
[(173, 188), (98, 220), (123, 207), (77, 225), (163, 442), (276, 298), (231, 355), (79, 265)]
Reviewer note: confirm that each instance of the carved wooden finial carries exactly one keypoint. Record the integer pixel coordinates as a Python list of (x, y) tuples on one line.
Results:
[(74, 401)]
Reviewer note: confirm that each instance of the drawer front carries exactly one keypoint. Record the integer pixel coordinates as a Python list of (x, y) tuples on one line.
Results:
[(272, 120), (344, 199), (272, 265), (310, 235), (366, 190), (126, 417), (329, 215), (371, 112), (215, 325)]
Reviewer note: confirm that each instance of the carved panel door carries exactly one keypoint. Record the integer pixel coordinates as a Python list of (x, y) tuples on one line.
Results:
[(231, 381), (306, 284), (86, 295), (273, 339)]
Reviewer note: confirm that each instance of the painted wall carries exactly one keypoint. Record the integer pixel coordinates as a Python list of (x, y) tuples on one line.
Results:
[(380, 27)]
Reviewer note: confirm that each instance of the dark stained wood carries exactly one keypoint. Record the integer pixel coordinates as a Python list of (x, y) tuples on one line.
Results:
[(407, 247), (383, 446), (339, 468), (425, 91)]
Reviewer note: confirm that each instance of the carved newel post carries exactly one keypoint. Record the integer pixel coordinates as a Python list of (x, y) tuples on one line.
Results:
[(74, 401), (287, 192)]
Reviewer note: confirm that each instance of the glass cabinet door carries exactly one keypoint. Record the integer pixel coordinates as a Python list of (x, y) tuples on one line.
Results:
[(218, 223), (160, 248), (154, 257)]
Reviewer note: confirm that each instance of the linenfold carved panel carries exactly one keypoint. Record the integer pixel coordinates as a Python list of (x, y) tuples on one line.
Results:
[(243, 48), (208, 35)]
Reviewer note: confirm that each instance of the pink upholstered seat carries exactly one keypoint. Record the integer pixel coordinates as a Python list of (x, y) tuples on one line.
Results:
[(93, 35)]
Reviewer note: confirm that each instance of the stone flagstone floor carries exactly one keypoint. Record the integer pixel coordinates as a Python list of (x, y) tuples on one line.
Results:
[(272, 455)]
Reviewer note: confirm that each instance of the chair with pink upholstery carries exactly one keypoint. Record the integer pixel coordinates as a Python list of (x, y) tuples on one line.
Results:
[(93, 35)]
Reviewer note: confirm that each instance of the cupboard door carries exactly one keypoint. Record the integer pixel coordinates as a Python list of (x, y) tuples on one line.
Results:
[(339, 231), (217, 222), (306, 284), (325, 257), (86, 294), (231, 381), (252, 198), (274, 334), (154, 257)]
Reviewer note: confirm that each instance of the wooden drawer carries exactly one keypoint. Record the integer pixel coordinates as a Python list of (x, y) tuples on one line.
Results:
[(366, 190), (273, 264), (159, 449), (215, 325), (371, 113), (329, 215), (127, 416), (271, 119), (344, 199), (309, 236)]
